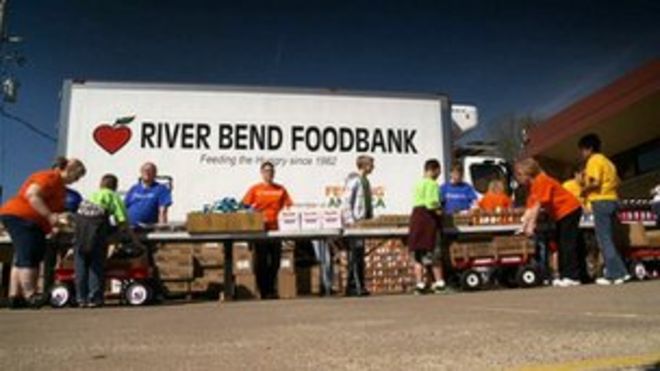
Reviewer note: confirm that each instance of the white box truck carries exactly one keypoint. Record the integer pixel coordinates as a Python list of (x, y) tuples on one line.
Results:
[(211, 139)]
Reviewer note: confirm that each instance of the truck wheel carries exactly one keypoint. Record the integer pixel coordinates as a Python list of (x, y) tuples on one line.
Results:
[(60, 295), (527, 276), (638, 270), (470, 280), (137, 293)]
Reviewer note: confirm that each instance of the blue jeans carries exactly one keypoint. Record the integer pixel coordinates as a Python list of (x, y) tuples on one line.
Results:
[(324, 256), (90, 275), (542, 255), (604, 221)]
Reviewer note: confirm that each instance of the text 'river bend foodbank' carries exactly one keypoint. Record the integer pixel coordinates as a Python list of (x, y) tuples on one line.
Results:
[(271, 137)]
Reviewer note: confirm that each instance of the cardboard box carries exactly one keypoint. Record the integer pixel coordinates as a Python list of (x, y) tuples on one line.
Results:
[(174, 261), (210, 273), (287, 260), (331, 219), (209, 280), (243, 259), (209, 254), (308, 280), (654, 238), (637, 235), (209, 289), (176, 271), (173, 253), (286, 285), (246, 286), (311, 220), (289, 220), (176, 287), (242, 222)]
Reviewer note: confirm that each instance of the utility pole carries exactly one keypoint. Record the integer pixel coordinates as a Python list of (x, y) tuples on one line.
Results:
[(3, 5), (3, 34), (8, 83)]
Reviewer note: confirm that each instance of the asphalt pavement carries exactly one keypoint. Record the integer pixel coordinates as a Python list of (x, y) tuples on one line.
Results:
[(587, 327)]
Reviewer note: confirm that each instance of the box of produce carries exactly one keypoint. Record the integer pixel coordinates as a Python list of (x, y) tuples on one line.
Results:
[(241, 222)]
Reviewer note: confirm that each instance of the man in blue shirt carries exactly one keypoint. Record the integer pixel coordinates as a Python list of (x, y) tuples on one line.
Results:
[(457, 195), (147, 202)]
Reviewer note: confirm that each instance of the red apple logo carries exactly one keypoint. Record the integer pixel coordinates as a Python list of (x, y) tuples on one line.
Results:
[(113, 137)]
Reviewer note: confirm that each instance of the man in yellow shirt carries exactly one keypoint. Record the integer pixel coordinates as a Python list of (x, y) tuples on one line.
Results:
[(600, 189)]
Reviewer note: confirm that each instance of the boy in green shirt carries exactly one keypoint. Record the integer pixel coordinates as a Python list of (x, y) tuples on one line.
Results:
[(93, 228), (424, 229)]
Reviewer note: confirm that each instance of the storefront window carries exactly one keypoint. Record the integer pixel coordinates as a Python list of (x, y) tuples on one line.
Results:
[(649, 159), (638, 160)]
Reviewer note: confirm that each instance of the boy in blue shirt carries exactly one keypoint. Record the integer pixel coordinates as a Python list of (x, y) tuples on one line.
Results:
[(457, 195)]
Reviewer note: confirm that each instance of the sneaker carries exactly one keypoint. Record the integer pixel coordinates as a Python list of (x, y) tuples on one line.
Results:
[(557, 282), (438, 287), (603, 281), (622, 280), (567, 282), (35, 301), (439, 283), (420, 289), (17, 302)]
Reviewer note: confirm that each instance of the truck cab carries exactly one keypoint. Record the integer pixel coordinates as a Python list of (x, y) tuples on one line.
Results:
[(480, 160), (480, 170)]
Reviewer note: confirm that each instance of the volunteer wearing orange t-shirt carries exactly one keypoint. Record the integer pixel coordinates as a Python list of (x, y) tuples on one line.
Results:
[(495, 198), (269, 198), (28, 217), (562, 207)]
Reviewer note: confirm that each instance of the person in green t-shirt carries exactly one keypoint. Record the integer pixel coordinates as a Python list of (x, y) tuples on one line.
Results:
[(424, 226), (93, 228)]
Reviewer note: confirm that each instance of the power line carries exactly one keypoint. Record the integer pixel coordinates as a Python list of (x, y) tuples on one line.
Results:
[(28, 125)]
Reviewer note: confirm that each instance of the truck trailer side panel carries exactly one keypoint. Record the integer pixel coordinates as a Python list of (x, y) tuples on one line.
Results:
[(212, 139)]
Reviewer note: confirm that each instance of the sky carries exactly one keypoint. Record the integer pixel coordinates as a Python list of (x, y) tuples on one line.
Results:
[(505, 57)]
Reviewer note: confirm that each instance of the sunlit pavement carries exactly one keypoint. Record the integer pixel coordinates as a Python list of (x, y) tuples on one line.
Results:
[(586, 327)]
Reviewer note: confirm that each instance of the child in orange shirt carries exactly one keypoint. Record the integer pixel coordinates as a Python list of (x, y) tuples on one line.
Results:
[(562, 207), (496, 198)]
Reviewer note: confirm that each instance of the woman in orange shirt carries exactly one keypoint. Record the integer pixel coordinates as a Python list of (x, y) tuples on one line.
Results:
[(495, 199), (562, 207), (29, 217)]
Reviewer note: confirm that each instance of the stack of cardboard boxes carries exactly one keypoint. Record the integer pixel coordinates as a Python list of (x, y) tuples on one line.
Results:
[(209, 264), (244, 279), (388, 267), (174, 263), (308, 280), (340, 270), (198, 268), (286, 278)]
